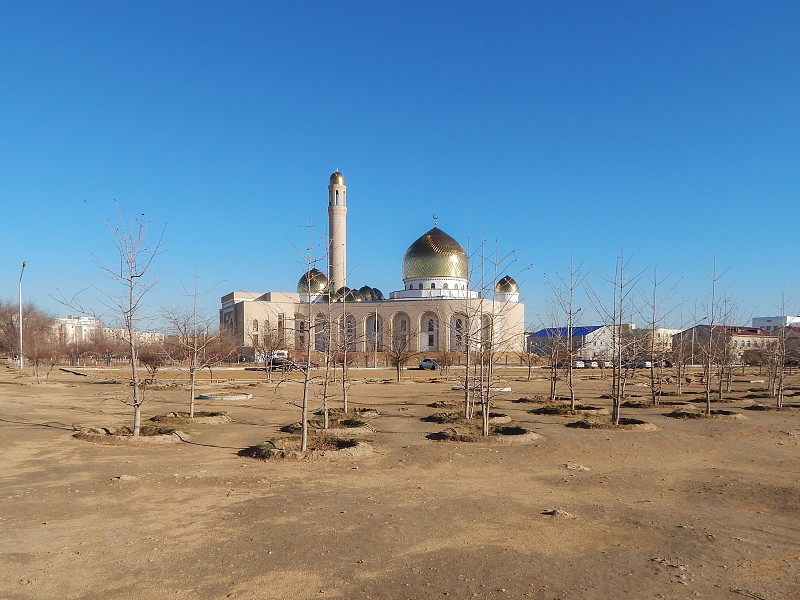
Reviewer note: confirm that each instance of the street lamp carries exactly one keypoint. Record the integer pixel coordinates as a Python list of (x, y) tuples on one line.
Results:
[(20, 313)]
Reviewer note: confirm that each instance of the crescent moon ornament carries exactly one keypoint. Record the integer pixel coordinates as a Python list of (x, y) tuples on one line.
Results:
[(435, 220)]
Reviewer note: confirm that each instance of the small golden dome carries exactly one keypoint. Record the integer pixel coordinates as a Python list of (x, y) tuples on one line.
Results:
[(337, 177), (435, 254), (313, 282), (506, 285), (345, 294)]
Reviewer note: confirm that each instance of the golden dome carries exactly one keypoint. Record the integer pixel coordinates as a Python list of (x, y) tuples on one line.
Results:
[(506, 285), (337, 177), (345, 294), (435, 254), (313, 282)]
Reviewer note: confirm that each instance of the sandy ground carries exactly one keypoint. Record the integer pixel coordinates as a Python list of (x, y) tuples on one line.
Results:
[(697, 508)]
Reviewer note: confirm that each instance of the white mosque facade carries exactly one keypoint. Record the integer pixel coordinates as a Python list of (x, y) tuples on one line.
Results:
[(435, 311)]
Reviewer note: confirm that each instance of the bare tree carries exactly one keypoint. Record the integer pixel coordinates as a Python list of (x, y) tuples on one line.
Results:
[(656, 351), (306, 335), (713, 348), (492, 338), (37, 330), (153, 357), (616, 313), (216, 349), (193, 338), (529, 360), (564, 294), (131, 280), (401, 349), (265, 345)]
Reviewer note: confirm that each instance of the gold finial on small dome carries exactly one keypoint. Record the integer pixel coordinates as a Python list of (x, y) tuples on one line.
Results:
[(337, 177)]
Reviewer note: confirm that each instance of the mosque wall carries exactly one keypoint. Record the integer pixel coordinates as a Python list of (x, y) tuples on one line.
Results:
[(430, 325)]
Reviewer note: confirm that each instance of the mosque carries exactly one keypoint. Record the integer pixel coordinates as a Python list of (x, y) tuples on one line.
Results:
[(436, 310)]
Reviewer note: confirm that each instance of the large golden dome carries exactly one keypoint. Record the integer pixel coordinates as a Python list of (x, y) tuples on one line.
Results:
[(337, 177), (313, 282), (435, 254)]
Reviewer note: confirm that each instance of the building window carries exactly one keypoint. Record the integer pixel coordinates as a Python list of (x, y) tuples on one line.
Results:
[(420, 286), (281, 327), (255, 324), (433, 286), (430, 340), (255, 339), (444, 286)]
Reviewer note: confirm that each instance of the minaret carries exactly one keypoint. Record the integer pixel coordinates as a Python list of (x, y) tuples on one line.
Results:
[(337, 232)]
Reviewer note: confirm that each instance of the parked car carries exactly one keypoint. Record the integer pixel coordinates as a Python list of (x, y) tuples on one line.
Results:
[(428, 363), (591, 364), (606, 364), (578, 364)]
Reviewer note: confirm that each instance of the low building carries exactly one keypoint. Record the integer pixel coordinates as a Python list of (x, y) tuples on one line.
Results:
[(656, 341), (725, 342), (592, 341), (81, 329), (773, 323)]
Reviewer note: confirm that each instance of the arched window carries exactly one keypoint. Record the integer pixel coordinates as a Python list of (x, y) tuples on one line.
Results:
[(457, 337), (420, 286), (433, 286), (336, 201), (444, 286), (255, 325), (430, 325)]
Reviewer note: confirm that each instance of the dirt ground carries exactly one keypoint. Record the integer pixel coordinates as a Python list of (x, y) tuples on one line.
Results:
[(697, 508)]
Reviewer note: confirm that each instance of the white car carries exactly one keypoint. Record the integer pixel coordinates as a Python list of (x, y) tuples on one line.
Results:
[(428, 363)]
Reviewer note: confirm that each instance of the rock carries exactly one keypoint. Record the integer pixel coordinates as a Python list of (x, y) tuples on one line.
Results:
[(576, 467), (126, 478), (556, 512)]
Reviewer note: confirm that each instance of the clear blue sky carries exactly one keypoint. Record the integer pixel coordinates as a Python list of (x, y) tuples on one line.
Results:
[(671, 129)]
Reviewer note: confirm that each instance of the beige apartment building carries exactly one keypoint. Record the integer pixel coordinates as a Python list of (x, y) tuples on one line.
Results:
[(434, 311)]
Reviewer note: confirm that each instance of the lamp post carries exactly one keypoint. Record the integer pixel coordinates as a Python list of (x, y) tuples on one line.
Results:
[(20, 313)]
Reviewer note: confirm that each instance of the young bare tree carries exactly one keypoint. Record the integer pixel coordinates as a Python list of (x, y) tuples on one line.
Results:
[(617, 313), (564, 295), (307, 334), (265, 344), (401, 349), (217, 348), (130, 282), (715, 344), (655, 314), (194, 339), (492, 338), (529, 360), (153, 357), (41, 346)]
